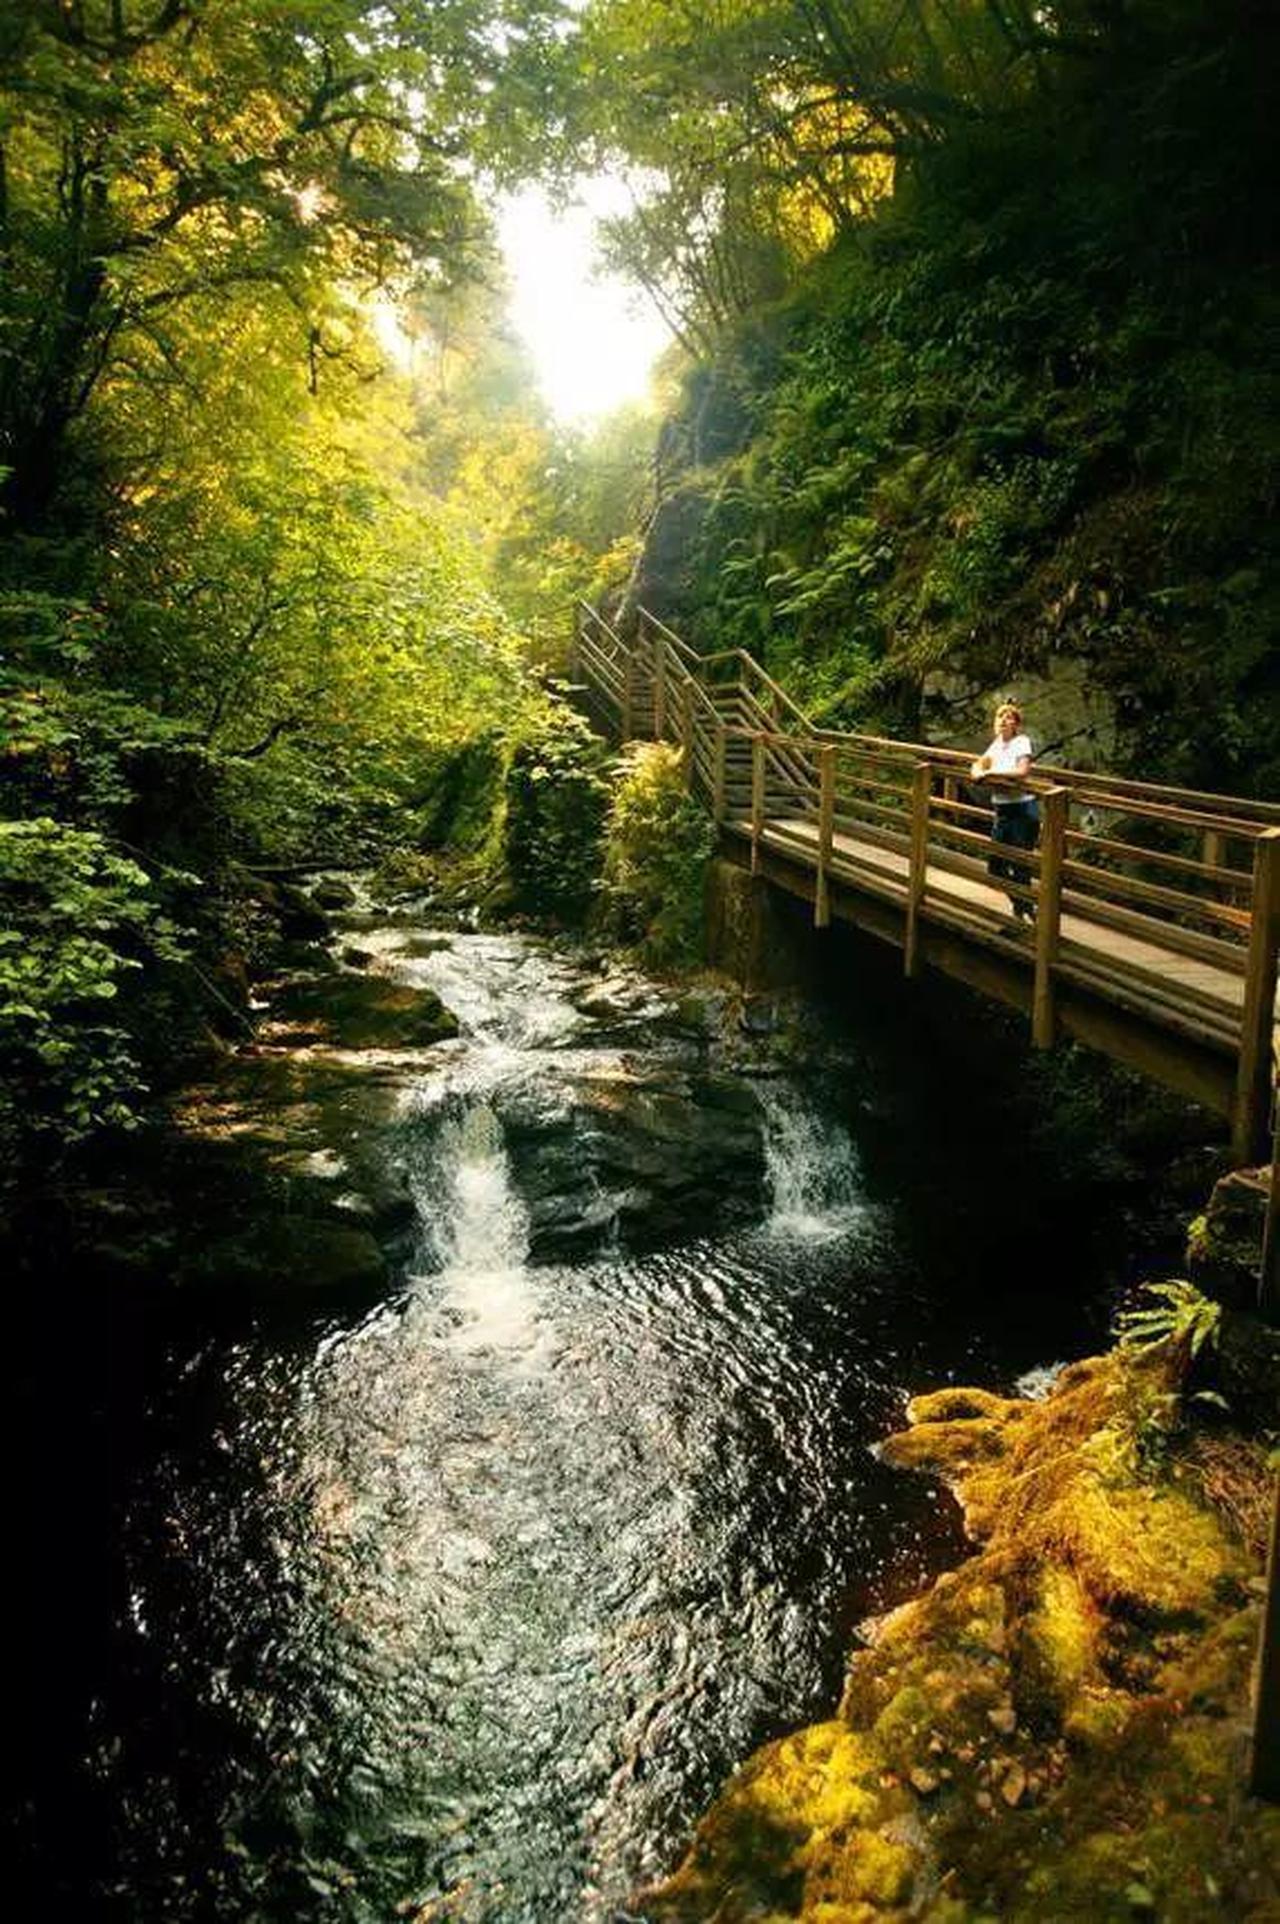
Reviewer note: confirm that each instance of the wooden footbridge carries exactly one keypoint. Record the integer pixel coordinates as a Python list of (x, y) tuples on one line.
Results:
[(1157, 910)]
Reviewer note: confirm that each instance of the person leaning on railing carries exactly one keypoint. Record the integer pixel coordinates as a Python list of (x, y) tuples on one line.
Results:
[(1015, 813)]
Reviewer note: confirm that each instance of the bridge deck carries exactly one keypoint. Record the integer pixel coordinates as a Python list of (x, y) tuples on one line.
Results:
[(873, 866)]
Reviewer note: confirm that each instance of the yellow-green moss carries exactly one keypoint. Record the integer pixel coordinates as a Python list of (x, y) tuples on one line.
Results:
[(1052, 1731), (1057, 1653)]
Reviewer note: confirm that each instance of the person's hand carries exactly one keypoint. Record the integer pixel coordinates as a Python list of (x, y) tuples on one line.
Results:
[(978, 769)]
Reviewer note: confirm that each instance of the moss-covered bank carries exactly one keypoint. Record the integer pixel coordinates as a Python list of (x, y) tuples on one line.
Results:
[(1059, 1728)]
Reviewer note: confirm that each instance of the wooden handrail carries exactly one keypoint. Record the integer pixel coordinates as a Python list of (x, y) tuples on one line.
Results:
[(1171, 933)]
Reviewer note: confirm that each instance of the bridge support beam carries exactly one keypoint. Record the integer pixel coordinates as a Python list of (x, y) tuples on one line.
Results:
[(575, 644), (1250, 1134), (1269, 1276), (628, 698)]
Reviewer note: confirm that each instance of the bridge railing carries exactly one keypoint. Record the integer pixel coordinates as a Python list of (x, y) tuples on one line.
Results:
[(1186, 884)]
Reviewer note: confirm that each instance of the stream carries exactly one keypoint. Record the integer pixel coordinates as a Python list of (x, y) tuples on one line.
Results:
[(464, 1605)]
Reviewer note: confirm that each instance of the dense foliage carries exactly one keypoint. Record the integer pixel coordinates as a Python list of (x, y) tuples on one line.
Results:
[(984, 309), (658, 842), (557, 793), (250, 548)]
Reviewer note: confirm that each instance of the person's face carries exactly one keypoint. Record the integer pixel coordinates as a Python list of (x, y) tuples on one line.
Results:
[(1006, 727)]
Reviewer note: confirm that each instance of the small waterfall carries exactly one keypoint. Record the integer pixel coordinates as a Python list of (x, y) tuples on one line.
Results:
[(477, 1231), (810, 1167)]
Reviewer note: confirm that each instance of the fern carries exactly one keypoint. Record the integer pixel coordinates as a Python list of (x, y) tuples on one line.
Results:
[(1178, 1313)]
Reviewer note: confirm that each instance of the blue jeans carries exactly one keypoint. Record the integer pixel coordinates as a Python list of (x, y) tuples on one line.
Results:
[(1016, 825)]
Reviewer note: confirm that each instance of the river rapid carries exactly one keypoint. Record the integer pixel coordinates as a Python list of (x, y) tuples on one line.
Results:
[(464, 1606)]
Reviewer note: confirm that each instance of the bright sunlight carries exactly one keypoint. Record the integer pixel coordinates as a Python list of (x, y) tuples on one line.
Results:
[(593, 339)]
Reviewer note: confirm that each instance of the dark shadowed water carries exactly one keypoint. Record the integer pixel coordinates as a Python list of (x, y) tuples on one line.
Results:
[(464, 1607)]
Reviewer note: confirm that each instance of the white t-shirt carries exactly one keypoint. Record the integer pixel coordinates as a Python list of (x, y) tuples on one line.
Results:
[(1002, 759)]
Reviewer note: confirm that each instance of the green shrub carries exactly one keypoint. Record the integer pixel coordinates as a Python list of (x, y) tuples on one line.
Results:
[(76, 920), (556, 795), (657, 845)]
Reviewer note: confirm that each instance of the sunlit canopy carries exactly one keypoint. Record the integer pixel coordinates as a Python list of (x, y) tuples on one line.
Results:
[(593, 339)]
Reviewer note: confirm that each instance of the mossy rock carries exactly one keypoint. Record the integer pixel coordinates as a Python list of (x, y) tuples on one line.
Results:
[(950, 1448), (333, 895), (1053, 1730), (296, 1254), (361, 1012), (1224, 1245), (1245, 1369), (1056, 1656), (955, 1405)]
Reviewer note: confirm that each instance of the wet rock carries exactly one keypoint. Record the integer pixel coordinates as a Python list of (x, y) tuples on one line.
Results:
[(334, 894), (1224, 1246), (420, 946), (759, 1016), (365, 1197), (703, 1012), (356, 958), (300, 918), (614, 998), (1246, 1369), (304, 958), (361, 1012), (296, 1254), (642, 1157)]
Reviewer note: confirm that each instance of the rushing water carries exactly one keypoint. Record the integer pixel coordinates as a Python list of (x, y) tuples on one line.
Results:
[(465, 1607)]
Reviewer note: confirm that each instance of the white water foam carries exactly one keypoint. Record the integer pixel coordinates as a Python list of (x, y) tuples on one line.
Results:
[(479, 1228), (810, 1167)]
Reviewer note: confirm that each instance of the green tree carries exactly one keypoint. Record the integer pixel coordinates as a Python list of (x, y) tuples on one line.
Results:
[(156, 151)]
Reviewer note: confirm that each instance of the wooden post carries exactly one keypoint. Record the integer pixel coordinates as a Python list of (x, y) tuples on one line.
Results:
[(1249, 1135), (1264, 1773), (1053, 842), (1213, 852), (921, 789), (826, 822), (719, 770), (628, 697), (757, 798), (575, 643), (659, 688), (687, 732)]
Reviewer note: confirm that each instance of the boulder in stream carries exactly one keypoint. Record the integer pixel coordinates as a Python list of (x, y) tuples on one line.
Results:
[(297, 1254), (359, 1012), (644, 1157), (334, 894)]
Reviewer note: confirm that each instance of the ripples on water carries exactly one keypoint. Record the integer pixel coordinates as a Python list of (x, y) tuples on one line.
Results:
[(478, 1601)]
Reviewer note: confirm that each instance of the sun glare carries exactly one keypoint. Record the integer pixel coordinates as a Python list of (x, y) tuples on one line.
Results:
[(592, 338)]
